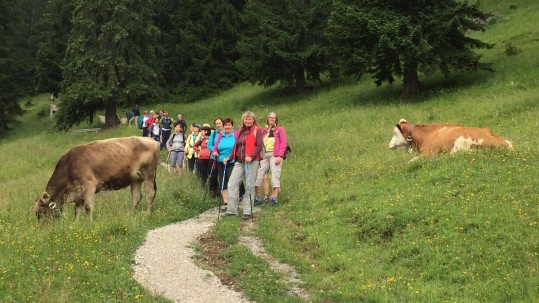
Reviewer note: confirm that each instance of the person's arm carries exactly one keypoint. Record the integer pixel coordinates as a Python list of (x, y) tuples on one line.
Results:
[(211, 140), (259, 143), (282, 142), (169, 141), (198, 144)]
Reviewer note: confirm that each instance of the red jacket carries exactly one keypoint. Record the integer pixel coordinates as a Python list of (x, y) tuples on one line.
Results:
[(149, 123), (202, 147), (248, 143)]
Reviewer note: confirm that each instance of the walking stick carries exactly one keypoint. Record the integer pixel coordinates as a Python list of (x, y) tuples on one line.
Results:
[(168, 161), (208, 184), (222, 188), (248, 175)]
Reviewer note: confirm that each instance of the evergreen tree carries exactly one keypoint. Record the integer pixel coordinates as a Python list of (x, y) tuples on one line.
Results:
[(199, 37), (25, 40), (110, 60), (399, 38), (284, 42), (10, 87), (54, 28)]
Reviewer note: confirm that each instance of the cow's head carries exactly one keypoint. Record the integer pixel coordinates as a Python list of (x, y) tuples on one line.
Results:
[(45, 208), (398, 139)]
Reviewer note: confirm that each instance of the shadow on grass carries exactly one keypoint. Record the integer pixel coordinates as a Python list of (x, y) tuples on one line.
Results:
[(364, 92)]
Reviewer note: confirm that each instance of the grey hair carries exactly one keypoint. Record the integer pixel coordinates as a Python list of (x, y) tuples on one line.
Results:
[(249, 114)]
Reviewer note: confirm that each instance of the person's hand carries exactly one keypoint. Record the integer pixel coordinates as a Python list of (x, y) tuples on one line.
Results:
[(225, 161), (278, 160), (248, 159)]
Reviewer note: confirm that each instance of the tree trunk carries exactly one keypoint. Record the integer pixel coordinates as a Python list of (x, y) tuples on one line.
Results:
[(111, 119), (300, 80), (411, 80)]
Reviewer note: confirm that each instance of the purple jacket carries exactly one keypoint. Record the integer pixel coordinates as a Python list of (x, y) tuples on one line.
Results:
[(280, 140)]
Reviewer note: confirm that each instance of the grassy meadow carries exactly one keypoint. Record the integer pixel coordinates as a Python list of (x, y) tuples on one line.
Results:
[(357, 221)]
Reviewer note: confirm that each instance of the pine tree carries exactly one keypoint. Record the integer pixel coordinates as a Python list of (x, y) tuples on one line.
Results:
[(10, 87), (400, 38), (54, 27), (284, 42), (110, 60), (199, 37)]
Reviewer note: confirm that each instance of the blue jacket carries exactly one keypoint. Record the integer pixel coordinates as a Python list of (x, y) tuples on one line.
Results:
[(212, 140), (225, 147)]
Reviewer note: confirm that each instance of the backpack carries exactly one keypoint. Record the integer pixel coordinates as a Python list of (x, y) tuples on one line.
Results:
[(174, 135), (287, 151), (288, 148)]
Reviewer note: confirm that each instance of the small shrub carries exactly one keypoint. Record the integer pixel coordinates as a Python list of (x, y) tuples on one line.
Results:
[(28, 103), (511, 50), (42, 113)]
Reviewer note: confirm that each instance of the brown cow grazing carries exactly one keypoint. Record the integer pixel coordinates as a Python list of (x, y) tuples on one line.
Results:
[(101, 165), (439, 138)]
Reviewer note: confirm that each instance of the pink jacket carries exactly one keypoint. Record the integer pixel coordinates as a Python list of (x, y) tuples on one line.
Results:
[(280, 140)]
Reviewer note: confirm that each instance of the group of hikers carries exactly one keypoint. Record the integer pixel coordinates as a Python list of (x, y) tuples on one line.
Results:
[(231, 162)]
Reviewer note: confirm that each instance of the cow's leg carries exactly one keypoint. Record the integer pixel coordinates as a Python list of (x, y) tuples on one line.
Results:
[(150, 188), (136, 194), (78, 210), (414, 159), (89, 196)]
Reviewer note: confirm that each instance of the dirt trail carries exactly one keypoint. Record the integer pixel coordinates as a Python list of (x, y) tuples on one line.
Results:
[(164, 264)]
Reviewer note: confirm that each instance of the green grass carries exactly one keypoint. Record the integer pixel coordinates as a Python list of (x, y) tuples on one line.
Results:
[(356, 220)]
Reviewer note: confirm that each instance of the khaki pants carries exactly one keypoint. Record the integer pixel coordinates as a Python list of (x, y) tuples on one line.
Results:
[(239, 172), (268, 162)]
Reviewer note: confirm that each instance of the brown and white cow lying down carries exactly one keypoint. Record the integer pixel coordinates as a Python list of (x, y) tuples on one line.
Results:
[(430, 139), (109, 164)]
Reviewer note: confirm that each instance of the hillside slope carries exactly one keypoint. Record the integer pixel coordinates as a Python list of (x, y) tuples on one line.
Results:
[(356, 220)]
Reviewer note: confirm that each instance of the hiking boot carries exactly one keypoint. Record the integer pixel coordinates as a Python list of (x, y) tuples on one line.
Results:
[(246, 217), (229, 215), (223, 209), (258, 201), (272, 201)]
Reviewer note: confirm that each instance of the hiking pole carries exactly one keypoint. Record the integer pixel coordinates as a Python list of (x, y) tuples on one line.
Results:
[(222, 189), (248, 175), (207, 187), (168, 161)]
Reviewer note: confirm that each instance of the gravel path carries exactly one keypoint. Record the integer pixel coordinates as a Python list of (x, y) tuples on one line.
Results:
[(164, 264)]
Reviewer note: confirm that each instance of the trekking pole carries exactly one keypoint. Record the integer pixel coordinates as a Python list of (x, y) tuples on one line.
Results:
[(168, 161), (248, 175), (208, 186), (222, 189)]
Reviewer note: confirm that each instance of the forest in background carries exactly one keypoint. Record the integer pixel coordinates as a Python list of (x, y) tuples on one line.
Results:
[(106, 54)]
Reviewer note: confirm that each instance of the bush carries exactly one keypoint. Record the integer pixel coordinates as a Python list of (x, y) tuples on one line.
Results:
[(511, 50)]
